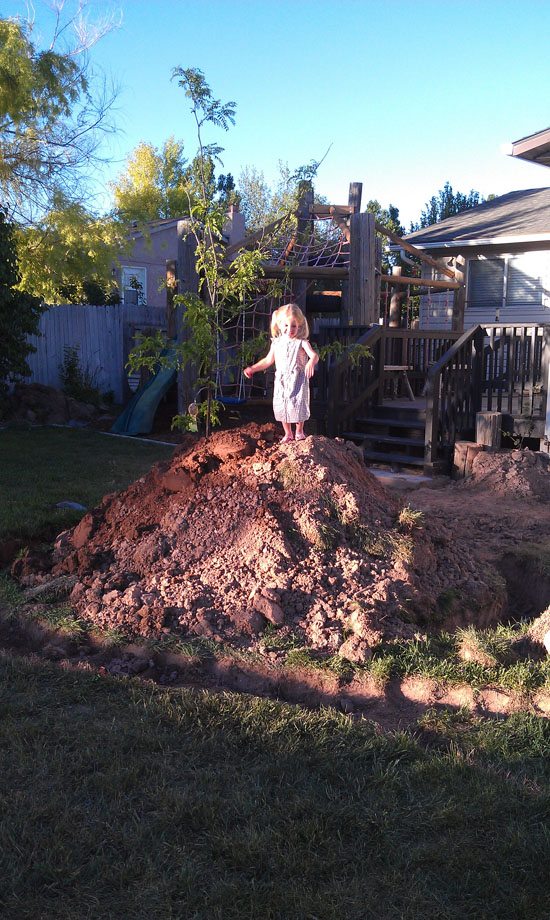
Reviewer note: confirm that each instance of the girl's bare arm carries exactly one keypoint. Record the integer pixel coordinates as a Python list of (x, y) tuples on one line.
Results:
[(261, 365), (313, 358)]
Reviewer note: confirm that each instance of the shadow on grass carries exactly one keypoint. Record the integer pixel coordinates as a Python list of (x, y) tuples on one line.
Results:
[(122, 800)]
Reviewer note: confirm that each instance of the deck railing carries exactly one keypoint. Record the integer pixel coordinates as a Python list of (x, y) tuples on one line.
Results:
[(353, 386), (453, 395), (496, 367), (515, 373)]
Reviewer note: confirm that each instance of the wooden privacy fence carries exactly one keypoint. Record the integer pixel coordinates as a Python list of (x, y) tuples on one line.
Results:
[(102, 337)]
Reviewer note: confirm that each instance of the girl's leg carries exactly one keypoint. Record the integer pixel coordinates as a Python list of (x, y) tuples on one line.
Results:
[(300, 431), (288, 431)]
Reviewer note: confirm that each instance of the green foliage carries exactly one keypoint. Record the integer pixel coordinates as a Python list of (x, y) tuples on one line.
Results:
[(155, 184), (222, 291), (190, 422), (76, 382), (69, 254), (446, 204), (356, 353), (19, 313), (53, 114), (389, 218)]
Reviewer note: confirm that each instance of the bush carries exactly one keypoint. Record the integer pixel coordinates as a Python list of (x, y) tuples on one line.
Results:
[(19, 314), (75, 382)]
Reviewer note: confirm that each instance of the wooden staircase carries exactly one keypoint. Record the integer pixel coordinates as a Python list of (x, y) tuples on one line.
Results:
[(391, 436)]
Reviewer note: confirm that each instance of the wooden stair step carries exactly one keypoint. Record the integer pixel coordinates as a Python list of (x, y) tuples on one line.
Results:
[(392, 439), (398, 459), (393, 423), (386, 438)]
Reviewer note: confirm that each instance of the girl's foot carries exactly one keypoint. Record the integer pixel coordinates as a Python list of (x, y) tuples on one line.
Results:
[(301, 436), (287, 438)]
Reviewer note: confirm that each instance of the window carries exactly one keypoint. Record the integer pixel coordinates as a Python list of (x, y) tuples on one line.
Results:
[(134, 284), (523, 282), (486, 282), (506, 281)]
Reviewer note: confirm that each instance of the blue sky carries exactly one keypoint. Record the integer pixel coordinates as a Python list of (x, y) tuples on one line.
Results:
[(407, 93)]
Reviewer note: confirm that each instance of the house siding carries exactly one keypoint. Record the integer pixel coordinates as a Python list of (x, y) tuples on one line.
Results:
[(436, 309)]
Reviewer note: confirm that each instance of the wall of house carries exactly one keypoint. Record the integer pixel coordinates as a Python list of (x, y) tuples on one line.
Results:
[(524, 292), (151, 256)]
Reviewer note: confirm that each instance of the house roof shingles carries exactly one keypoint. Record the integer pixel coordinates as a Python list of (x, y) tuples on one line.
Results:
[(521, 213)]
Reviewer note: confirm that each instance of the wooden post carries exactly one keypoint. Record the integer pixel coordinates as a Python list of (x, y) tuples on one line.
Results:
[(171, 288), (363, 308), (489, 428), (354, 197), (394, 319), (459, 296), (464, 455)]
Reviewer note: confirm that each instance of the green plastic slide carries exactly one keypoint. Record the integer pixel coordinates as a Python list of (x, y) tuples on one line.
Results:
[(139, 414)]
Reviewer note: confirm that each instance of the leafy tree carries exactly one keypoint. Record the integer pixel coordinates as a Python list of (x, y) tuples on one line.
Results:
[(255, 199), (445, 204), (160, 183), (68, 256), (222, 291), (388, 218), (154, 183), (261, 204), (19, 313), (53, 115)]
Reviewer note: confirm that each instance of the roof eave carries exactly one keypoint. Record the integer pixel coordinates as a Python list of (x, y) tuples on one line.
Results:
[(476, 241), (535, 148)]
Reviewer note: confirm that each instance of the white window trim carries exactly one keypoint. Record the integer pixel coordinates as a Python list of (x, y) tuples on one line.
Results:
[(136, 271)]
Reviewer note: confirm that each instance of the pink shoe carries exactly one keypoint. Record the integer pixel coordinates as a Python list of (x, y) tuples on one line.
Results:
[(301, 437), (287, 438)]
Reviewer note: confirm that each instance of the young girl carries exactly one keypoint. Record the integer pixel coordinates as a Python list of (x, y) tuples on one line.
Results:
[(290, 351)]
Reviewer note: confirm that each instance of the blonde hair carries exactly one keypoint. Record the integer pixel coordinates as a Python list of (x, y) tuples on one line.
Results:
[(292, 310)]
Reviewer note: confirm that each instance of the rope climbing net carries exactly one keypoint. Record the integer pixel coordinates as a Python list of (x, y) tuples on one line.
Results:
[(319, 243)]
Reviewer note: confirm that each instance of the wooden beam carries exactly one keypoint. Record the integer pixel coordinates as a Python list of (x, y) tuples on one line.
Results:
[(302, 271), (341, 223), (408, 247), (323, 210), (421, 282), (254, 237)]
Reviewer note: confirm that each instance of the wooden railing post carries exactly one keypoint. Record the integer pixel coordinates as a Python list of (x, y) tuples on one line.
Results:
[(545, 381), (477, 371), (433, 385)]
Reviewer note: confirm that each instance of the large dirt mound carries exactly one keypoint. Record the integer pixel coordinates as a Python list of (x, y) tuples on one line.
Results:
[(515, 473), (241, 531)]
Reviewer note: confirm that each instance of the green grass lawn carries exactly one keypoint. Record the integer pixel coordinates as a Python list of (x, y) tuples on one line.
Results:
[(40, 467), (119, 800)]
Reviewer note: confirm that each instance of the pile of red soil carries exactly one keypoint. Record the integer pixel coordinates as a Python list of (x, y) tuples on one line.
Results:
[(241, 531), (513, 473)]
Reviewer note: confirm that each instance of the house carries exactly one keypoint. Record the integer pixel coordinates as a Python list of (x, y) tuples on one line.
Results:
[(142, 274), (502, 250)]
